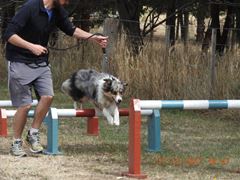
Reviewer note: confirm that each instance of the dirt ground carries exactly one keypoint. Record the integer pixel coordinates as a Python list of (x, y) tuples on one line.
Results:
[(55, 167)]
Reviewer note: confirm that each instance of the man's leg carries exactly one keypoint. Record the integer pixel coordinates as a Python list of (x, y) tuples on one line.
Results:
[(21, 98), (20, 120), (44, 89), (41, 111)]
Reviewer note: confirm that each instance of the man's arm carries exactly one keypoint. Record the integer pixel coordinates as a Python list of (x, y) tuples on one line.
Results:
[(16, 25), (34, 48), (80, 34)]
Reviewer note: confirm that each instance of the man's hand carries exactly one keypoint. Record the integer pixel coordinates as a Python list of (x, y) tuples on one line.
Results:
[(38, 49), (101, 40), (34, 48)]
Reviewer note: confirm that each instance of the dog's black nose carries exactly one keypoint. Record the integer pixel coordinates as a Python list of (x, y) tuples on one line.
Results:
[(119, 100)]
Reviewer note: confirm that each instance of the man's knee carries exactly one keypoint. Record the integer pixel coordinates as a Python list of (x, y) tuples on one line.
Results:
[(48, 99), (25, 107)]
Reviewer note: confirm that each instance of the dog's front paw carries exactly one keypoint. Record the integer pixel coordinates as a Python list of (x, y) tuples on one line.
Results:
[(117, 123), (110, 120)]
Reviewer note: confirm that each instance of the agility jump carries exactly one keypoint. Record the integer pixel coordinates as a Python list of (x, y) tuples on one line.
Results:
[(154, 138), (52, 118)]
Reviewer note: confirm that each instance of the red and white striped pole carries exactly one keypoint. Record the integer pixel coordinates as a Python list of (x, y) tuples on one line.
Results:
[(3, 123)]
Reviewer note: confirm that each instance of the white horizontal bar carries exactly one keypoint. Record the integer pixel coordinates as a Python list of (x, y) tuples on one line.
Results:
[(197, 104), (66, 112), (233, 104), (11, 113), (146, 112), (8, 103), (150, 104)]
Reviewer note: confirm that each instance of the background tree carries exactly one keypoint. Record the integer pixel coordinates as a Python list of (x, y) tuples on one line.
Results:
[(129, 13), (7, 11)]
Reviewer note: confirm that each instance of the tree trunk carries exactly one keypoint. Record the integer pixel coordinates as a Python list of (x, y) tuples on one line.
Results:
[(171, 21), (184, 28), (237, 10), (227, 25), (216, 23), (179, 23), (129, 12), (200, 16), (206, 40)]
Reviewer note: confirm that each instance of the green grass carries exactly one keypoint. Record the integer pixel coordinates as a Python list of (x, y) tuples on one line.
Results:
[(186, 135)]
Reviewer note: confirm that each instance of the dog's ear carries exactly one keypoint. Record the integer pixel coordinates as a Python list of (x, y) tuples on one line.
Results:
[(113, 79), (108, 81), (107, 84), (125, 83)]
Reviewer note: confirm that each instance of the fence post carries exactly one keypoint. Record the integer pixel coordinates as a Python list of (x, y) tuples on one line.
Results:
[(110, 29), (134, 144), (213, 63), (3, 123), (92, 126), (154, 132), (52, 132)]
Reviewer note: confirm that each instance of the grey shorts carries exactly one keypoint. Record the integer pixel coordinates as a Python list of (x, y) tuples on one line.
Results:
[(23, 80)]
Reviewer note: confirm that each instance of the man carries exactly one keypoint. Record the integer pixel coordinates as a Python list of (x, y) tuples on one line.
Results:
[(27, 37)]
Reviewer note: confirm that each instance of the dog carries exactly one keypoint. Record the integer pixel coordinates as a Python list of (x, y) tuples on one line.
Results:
[(103, 90)]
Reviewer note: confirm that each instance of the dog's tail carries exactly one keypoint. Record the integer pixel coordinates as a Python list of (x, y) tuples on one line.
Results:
[(66, 86)]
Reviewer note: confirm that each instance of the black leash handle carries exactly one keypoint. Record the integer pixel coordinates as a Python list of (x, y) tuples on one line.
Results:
[(105, 61), (104, 50)]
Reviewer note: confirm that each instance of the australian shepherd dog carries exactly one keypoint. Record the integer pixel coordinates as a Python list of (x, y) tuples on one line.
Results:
[(103, 90)]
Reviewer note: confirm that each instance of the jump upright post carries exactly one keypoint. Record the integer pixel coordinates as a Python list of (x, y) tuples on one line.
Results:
[(3, 123), (136, 106)]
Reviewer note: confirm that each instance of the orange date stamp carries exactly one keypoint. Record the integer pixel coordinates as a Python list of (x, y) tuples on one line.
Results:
[(191, 161)]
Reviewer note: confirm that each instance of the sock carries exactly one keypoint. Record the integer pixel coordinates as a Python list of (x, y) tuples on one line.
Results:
[(33, 130)]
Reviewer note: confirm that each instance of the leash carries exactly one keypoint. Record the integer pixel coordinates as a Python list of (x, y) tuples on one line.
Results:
[(105, 62), (74, 46)]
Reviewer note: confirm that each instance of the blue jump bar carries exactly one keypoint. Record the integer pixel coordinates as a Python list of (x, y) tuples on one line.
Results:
[(172, 104), (218, 104)]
